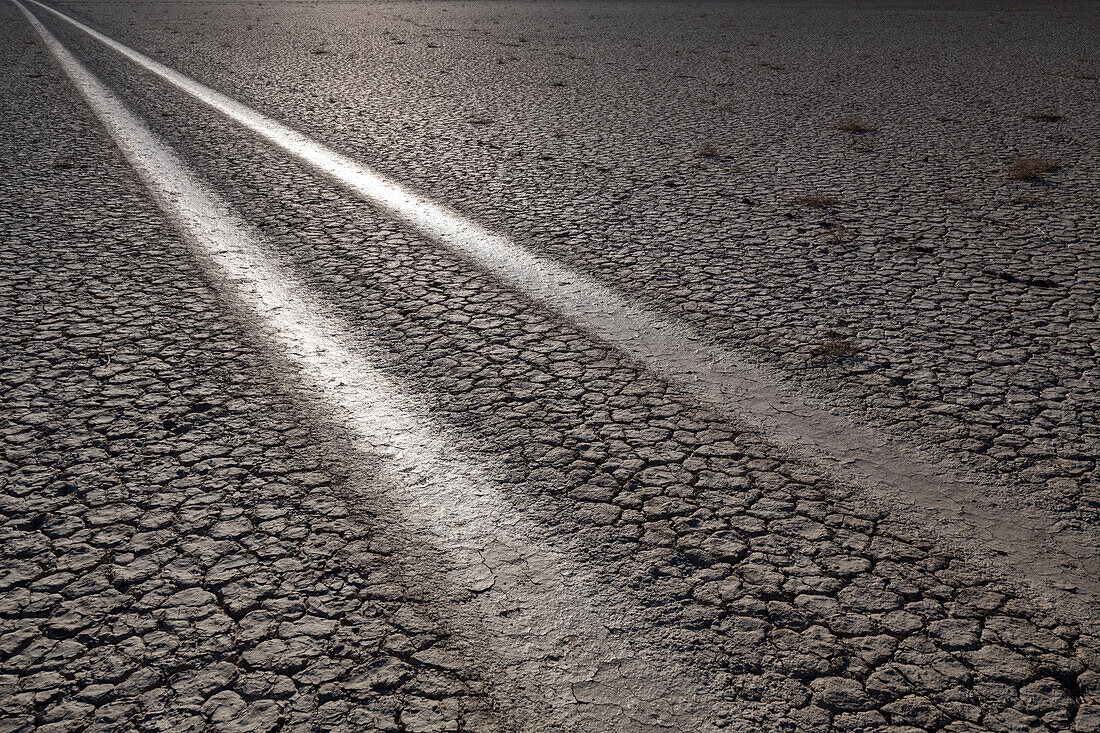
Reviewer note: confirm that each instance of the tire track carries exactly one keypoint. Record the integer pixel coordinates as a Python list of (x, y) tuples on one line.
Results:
[(553, 639), (936, 495)]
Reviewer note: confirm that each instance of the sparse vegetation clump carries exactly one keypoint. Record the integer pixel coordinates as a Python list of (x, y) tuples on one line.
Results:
[(707, 150), (838, 234), (834, 348), (1030, 169), (815, 201), (855, 125)]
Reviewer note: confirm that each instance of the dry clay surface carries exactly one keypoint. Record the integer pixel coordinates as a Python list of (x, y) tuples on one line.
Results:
[(690, 155), (187, 546)]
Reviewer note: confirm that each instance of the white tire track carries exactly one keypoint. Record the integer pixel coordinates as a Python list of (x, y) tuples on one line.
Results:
[(554, 637), (997, 531)]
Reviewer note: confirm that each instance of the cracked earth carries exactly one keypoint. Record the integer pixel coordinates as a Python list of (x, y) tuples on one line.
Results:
[(549, 531)]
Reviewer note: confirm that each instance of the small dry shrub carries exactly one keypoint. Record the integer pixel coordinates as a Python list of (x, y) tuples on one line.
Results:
[(838, 234), (707, 150), (834, 348), (1045, 117), (855, 125), (1030, 169)]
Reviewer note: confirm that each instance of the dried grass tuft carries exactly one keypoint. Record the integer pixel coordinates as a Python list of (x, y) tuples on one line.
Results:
[(707, 150), (1030, 169), (834, 349), (855, 125)]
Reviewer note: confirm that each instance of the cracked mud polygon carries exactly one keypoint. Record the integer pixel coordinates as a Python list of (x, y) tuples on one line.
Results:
[(888, 211)]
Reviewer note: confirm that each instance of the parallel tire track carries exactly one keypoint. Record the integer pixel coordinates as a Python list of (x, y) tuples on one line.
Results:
[(940, 497)]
